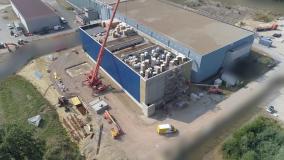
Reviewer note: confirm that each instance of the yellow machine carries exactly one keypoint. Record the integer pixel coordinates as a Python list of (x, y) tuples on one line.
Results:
[(166, 129)]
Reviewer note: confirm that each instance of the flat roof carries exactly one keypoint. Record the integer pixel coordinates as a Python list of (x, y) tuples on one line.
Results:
[(31, 9), (134, 51), (195, 31)]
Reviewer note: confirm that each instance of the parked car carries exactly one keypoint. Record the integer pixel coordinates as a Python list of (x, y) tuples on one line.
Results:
[(22, 42), (10, 26), (270, 109), (277, 35), (166, 129)]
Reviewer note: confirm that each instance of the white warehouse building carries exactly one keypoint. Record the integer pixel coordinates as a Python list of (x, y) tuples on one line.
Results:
[(34, 14)]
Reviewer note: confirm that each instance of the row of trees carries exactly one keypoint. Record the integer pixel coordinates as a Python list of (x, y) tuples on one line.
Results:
[(19, 143), (262, 139)]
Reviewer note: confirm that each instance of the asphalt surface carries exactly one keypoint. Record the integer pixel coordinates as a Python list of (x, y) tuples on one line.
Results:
[(12, 62)]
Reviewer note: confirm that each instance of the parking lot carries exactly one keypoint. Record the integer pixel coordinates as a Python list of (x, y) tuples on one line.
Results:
[(7, 16), (4, 30)]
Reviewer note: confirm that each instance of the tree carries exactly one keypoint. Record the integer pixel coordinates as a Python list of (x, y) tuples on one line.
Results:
[(18, 143), (280, 154)]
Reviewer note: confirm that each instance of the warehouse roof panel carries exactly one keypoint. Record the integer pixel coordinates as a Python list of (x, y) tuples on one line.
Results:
[(193, 30), (31, 9)]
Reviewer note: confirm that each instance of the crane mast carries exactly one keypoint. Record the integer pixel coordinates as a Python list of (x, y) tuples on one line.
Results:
[(93, 77)]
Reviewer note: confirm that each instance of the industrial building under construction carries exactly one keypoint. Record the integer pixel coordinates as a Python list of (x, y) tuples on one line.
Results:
[(211, 44), (154, 42), (150, 73)]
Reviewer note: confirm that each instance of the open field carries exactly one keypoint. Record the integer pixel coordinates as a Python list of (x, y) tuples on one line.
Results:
[(19, 100)]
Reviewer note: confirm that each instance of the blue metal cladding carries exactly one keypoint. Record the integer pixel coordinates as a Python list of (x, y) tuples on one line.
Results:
[(120, 72), (212, 62)]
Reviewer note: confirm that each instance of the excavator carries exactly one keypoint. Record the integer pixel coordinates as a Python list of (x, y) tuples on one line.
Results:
[(116, 130)]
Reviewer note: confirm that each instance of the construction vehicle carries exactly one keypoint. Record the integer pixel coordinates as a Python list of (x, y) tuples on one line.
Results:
[(62, 101), (11, 44), (93, 79), (166, 129), (116, 130), (215, 90), (267, 27)]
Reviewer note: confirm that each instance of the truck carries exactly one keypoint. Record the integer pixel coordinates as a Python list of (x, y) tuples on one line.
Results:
[(265, 41), (262, 28), (166, 129)]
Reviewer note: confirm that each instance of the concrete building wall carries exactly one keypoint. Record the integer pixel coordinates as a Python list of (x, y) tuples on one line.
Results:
[(154, 90), (36, 24)]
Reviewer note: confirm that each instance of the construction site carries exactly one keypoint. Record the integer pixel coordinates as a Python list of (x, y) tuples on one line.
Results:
[(111, 124), (113, 91), (123, 83), (150, 74), (136, 85)]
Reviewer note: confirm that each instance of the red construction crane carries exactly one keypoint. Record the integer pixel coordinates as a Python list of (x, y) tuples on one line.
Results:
[(93, 79)]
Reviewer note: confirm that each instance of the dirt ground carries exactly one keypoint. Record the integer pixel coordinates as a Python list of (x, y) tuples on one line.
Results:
[(217, 10)]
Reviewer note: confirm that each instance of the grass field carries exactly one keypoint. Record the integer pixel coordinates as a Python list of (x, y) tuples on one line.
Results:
[(20, 100)]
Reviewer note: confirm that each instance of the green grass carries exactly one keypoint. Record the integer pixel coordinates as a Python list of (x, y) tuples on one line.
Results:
[(19, 100), (261, 139)]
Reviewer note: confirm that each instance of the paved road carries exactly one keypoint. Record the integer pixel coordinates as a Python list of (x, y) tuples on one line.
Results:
[(12, 62), (61, 11), (278, 54)]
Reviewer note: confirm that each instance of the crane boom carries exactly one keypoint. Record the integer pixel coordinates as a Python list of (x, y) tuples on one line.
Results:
[(93, 78)]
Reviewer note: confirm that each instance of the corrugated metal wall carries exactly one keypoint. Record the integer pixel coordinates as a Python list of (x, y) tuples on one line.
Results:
[(120, 72), (212, 62)]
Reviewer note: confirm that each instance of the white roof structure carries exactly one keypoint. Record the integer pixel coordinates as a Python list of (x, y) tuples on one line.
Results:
[(35, 120), (164, 126)]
